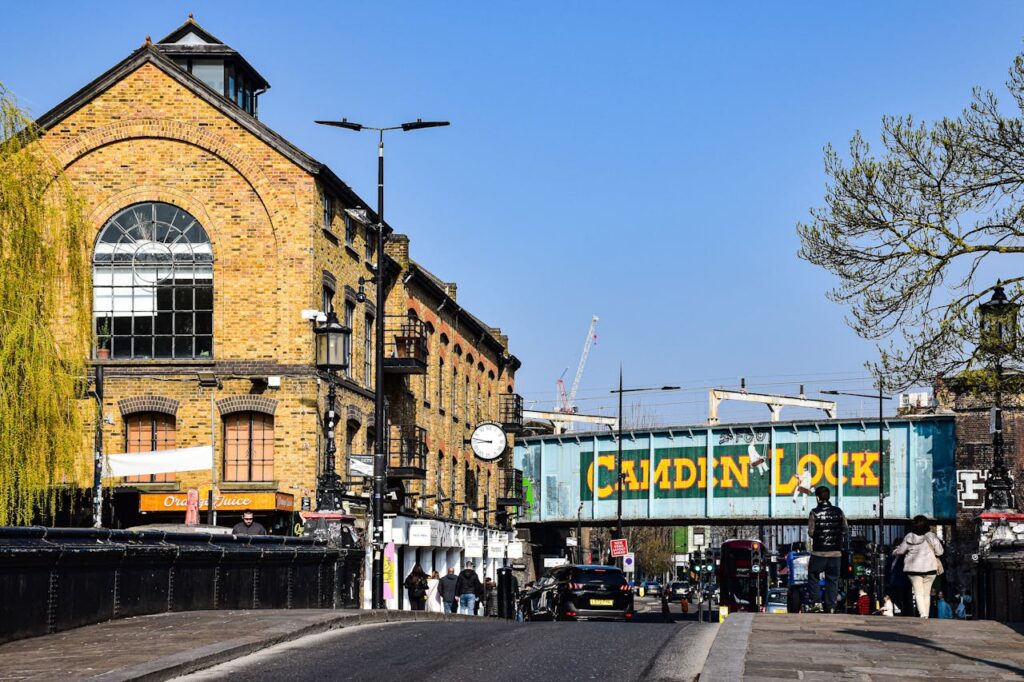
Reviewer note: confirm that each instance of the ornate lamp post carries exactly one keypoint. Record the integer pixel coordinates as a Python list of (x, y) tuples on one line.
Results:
[(998, 338), (331, 338)]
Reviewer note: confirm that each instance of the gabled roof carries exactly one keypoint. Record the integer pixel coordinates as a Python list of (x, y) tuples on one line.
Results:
[(193, 27), (190, 40), (150, 54)]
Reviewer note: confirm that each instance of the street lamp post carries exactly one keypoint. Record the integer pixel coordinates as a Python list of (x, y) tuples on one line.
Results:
[(618, 458), (998, 338), (579, 534), (380, 463), (880, 567), (331, 339)]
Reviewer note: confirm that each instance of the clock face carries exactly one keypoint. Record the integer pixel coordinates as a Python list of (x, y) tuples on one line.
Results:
[(489, 441)]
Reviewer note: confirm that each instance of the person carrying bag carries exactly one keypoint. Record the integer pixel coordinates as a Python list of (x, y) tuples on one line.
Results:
[(921, 550)]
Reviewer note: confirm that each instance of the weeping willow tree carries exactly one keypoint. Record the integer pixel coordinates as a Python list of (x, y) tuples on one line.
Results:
[(44, 326)]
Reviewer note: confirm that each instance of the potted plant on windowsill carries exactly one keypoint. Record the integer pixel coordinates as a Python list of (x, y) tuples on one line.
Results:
[(103, 341)]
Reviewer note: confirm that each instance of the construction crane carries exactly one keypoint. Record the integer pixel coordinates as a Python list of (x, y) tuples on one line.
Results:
[(565, 402)]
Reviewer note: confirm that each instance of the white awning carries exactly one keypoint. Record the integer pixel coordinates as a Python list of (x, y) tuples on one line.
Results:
[(159, 462)]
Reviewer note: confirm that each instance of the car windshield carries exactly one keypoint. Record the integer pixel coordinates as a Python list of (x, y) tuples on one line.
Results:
[(607, 576)]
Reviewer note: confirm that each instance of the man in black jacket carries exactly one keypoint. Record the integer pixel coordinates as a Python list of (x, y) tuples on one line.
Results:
[(826, 525), (467, 588), (446, 588)]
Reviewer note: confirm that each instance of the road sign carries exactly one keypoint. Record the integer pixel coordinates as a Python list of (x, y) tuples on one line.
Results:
[(628, 562), (620, 548)]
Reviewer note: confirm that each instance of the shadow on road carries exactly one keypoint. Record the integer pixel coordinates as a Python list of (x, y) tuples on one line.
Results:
[(892, 636)]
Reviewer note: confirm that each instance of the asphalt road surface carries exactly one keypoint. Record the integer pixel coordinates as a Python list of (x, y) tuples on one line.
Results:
[(493, 650)]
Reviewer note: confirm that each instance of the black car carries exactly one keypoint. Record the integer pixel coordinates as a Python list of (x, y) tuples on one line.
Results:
[(678, 589), (579, 593)]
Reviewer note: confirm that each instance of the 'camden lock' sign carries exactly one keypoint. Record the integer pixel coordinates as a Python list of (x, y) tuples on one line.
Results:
[(681, 472)]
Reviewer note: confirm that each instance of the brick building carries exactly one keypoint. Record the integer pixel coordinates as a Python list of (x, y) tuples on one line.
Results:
[(213, 234)]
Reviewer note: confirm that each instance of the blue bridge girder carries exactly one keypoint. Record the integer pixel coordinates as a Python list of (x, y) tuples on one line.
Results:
[(757, 472)]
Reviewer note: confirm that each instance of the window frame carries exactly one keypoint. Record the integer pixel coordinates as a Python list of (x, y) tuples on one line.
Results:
[(251, 417)]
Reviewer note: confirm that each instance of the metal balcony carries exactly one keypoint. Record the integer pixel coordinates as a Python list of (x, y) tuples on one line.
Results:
[(512, 412), (407, 452), (510, 487), (405, 345)]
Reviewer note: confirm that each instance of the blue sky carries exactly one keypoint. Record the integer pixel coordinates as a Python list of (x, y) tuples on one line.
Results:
[(644, 162)]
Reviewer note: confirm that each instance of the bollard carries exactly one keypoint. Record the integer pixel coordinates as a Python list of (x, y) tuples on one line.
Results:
[(506, 595)]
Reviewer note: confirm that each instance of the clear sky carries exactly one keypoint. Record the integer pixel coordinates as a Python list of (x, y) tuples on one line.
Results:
[(644, 162)]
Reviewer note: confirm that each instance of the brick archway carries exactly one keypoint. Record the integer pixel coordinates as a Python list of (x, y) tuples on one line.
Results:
[(246, 403), (148, 403)]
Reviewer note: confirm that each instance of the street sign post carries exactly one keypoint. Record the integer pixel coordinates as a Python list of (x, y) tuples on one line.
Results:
[(628, 562), (620, 548)]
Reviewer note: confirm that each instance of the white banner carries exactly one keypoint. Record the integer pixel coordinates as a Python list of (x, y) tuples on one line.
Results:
[(474, 549), (515, 550), (419, 534), (159, 462)]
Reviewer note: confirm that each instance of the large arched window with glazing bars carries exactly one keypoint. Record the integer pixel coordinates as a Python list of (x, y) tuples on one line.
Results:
[(153, 285)]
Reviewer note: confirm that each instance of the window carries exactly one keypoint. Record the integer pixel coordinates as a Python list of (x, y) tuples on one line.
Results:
[(371, 243), (149, 432), (455, 392), (211, 72), (248, 447), (439, 485), (368, 351), (350, 313), (152, 276), (451, 484), (350, 230), (328, 211), (468, 414), (440, 385), (328, 298)]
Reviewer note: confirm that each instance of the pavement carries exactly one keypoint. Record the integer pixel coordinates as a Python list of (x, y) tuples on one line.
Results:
[(867, 648)]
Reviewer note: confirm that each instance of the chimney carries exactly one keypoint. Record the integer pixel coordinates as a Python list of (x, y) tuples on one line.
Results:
[(452, 289), (397, 247)]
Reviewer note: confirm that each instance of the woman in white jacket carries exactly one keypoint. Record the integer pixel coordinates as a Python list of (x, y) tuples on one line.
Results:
[(921, 550), (433, 598)]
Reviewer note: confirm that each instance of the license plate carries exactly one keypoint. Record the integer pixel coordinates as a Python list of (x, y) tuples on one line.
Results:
[(601, 602)]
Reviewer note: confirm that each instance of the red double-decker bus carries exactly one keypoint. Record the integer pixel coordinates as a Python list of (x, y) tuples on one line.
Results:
[(743, 575)]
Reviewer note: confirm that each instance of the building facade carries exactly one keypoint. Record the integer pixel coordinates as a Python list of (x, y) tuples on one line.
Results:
[(214, 237)]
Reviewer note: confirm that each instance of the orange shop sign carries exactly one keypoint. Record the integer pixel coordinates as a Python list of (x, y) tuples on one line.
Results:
[(233, 501)]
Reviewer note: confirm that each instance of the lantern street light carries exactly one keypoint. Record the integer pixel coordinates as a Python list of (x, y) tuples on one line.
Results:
[(331, 340), (998, 338)]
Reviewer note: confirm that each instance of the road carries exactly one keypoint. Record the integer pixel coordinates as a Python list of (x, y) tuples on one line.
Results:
[(488, 649)]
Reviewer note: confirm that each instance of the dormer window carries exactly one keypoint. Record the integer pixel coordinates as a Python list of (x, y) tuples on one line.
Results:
[(218, 66)]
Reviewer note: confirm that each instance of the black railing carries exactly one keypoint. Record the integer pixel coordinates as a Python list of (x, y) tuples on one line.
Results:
[(407, 452), (510, 487), (512, 412), (405, 345)]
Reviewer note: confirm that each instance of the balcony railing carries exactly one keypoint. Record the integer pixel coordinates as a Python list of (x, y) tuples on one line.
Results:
[(512, 412), (407, 452), (405, 345), (510, 487)]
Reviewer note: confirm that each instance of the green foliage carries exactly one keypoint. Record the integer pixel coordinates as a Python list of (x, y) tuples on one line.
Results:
[(907, 232), (44, 321)]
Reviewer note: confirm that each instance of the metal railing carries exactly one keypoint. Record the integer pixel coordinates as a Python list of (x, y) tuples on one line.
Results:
[(407, 451), (405, 345), (510, 487), (511, 412)]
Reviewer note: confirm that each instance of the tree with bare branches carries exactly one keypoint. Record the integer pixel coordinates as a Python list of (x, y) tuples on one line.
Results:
[(919, 234)]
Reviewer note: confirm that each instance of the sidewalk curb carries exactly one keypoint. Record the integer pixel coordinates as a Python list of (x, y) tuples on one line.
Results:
[(725, 661), (200, 658)]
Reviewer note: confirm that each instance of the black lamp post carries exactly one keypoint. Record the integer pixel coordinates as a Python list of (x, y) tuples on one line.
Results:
[(880, 562), (618, 458), (380, 462), (998, 338), (331, 338)]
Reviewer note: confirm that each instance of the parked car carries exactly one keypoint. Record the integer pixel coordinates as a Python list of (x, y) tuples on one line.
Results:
[(579, 592), (777, 601), (652, 588), (678, 589)]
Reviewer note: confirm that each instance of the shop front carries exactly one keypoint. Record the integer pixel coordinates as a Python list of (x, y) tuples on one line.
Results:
[(274, 509), (436, 546)]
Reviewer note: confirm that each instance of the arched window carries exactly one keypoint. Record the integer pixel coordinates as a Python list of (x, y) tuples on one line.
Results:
[(149, 432), (152, 276), (248, 446)]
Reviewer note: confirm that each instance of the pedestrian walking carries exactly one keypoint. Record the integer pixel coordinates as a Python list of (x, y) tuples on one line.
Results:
[(433, 593), (942, 608), (467, 588), (490, 598), (863, 603), (247, 526), (416, 586), (446, 588), (666, 612), (684, 605), (921, 550), (888, 608), (826, 526)]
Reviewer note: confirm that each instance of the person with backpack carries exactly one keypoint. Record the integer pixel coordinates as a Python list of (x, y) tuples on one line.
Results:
[(416, 585), (921, 550), (467, 589), (826, 526)]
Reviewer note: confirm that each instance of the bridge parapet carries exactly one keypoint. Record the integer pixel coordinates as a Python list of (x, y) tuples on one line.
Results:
[(756, 471)]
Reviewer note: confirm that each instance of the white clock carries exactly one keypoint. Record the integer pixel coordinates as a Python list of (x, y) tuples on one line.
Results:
[(489, 441)]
